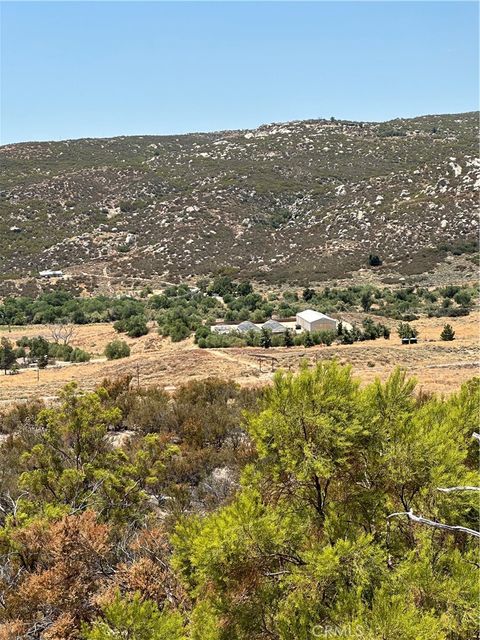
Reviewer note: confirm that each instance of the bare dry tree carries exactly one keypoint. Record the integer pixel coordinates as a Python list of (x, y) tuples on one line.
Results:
[(62, 333)]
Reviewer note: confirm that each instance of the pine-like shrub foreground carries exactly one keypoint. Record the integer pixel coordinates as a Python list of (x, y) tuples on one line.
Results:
[(314, 509)]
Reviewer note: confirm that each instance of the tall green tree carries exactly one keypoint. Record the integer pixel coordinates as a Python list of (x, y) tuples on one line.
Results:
[(266, 338), (288, 338), (7, 355), (448, 333), (39, 348)]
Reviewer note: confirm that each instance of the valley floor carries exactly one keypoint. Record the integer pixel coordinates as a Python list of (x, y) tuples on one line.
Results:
[(438, 366)]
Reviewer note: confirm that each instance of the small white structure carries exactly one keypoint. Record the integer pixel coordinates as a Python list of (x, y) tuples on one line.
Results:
[(223, 328), (310, 320), (50, 273)]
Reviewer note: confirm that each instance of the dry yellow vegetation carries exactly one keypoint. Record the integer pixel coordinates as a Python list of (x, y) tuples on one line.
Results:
[(438, 366)]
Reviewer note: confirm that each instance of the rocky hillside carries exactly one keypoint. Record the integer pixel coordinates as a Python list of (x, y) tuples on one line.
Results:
[(297, 201)]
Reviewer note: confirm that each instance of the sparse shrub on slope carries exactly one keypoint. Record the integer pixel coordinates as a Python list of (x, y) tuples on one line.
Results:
[(280, 195), (406, 330), (374, 260), (447, 333), (117, 349)]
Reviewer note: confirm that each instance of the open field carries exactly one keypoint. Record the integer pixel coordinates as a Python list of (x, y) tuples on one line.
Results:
[(438, 366)]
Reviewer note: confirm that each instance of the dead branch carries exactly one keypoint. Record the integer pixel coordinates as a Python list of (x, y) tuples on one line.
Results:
[(437, 525), (451, 489)]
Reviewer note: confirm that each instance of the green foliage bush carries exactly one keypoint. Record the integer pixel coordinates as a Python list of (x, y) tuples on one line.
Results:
[(463, 298), (265, 338), (288, 338), (67, 353), (448, 333), (307, 339), (117, 349), (315, 540), (406, 330), (135, 618), (308, 294), (134, 326), (7, 355), (372, 330)]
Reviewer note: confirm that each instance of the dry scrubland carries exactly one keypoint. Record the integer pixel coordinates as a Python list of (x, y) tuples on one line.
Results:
[(267, 202), (438, 366)]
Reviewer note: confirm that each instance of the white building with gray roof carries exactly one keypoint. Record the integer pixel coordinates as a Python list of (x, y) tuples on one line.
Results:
[(310, 320)]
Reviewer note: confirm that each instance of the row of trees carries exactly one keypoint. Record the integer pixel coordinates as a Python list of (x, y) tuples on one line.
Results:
[(204, 337), (403, 303), (37, 350), (179, 309), (262, 338), (41, 352), (297, 521)]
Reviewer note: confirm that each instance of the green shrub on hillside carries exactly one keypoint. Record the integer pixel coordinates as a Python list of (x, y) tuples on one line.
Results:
[(447, 333), (134, 326), (67, 353), (117, 349), (406, 330)]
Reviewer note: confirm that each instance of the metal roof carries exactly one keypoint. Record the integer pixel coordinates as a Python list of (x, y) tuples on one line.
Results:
[(50, 272), (274, 326), (310, 316), (246, 325)]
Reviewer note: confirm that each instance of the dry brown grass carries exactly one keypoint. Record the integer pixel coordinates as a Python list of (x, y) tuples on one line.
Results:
[(439, 366)]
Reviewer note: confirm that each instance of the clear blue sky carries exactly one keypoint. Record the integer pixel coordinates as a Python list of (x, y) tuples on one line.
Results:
[(91, 69)]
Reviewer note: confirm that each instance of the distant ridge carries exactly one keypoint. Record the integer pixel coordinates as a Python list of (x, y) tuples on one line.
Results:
[(297, 201)]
